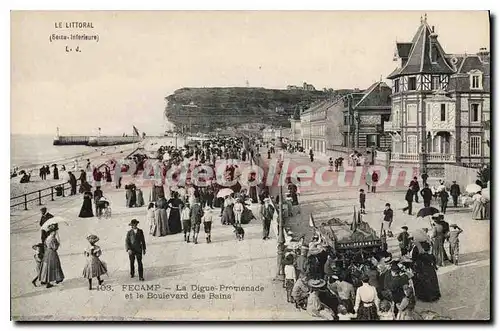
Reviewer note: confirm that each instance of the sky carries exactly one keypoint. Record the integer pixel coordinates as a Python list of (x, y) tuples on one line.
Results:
[(141, 57)]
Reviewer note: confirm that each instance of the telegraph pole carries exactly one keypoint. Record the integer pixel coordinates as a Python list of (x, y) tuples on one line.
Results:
[(280, 273)]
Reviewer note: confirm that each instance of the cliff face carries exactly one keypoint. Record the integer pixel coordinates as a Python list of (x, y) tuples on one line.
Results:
[(207, 109)]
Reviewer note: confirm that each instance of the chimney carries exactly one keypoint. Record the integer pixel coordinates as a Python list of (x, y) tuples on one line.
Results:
[(484, 55)]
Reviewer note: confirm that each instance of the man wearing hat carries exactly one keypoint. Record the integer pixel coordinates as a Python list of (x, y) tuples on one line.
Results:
[(404, 240), (135, 245), (266, 214), (455, 193), (196, 213), (45, 217)]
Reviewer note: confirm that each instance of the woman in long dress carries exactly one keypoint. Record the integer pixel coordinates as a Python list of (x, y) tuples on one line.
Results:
[(174, 219), (228, 213), (140, 198), (94, 267), (51, 270), (478, 207), (437, 237), (150, 218), (56, 172), (161, 218), (426, 282), (86, 210)]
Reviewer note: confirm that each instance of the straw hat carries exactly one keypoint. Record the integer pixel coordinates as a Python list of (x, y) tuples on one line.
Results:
[(92, 238), (316, 283)]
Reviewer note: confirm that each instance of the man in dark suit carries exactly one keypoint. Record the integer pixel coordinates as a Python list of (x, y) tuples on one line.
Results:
[(45, 217), (426, 194), (455, 193), (135, 245)]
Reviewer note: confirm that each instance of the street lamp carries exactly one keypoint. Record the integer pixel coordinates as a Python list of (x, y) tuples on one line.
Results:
[(280, 272)]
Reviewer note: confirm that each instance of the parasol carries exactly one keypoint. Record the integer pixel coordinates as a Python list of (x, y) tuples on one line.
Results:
[(473, 188), (54, 220), (427, 211), (224, 192), (419, 235)]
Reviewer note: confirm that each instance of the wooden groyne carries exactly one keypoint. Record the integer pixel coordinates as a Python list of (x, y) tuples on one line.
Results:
[(95, 141)]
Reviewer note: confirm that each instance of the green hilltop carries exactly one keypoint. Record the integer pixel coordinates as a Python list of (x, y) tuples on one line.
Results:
[(208, 109)]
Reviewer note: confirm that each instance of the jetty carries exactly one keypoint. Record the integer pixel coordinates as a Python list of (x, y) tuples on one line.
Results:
[(95, 141)]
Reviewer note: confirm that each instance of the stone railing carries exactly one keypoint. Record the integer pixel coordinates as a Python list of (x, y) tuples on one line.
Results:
[(439, 157), (405, 157)]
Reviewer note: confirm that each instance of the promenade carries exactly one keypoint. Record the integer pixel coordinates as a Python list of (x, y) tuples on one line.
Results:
[(465, 289), (172, 268)]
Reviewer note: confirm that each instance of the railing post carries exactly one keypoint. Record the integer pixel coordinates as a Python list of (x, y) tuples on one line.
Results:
[(52, 193), (39, 197), (25, 202)]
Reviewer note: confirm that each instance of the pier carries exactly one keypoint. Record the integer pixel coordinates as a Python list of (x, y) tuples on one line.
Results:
[(95, 141)]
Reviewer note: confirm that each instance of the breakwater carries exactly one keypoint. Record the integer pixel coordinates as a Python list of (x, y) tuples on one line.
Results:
[(95, 141)]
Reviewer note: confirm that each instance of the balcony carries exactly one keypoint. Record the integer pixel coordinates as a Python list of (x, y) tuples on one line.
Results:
[(391, 126), (404, 157), (440, 157), (430, 157)]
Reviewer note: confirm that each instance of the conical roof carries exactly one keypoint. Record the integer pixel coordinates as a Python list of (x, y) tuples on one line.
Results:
[(420, 59)]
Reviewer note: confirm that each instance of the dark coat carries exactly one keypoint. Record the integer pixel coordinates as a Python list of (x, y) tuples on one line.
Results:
[(455, 190), (426, 193), (388, 215), (196, 213), (409, 195), (395, 284), (135, 241)]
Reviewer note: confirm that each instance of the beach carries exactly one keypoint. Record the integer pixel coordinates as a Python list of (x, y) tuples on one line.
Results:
[(33, 157)]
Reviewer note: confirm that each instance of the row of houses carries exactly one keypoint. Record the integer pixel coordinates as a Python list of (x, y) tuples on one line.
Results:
[(435, 111)]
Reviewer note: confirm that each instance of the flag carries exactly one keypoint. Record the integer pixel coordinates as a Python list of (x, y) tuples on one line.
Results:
[(311, 222), (136, 132), (354, 224)]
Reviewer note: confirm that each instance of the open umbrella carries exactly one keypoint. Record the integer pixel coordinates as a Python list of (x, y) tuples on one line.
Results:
[(54, 220), (473, 188), (427, 211), (419, 235), (224, 192)]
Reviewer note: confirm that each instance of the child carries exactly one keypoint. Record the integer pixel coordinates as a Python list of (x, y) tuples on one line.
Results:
[(343, 315), (404, 241), (39, 249), (330, 163), (207, 223), (186, 221), (454, 242), (94, 267), (290, 276), (388, 218), (362, 199), (386, 312)]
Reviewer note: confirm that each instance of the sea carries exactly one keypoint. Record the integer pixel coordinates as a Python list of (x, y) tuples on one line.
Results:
[(31, 150), (35, 150)]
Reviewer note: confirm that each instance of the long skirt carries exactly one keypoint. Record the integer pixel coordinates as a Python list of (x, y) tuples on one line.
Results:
[(477, 210), (174, 221), (247, 216), (86, 210), (367, 313), (140, 199), (438, 250), (160, 227), (426, 283), (51, 270), (228, 215), (94, 268)]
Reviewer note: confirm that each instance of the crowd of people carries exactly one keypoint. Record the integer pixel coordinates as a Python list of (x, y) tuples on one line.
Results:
[(362, 283)]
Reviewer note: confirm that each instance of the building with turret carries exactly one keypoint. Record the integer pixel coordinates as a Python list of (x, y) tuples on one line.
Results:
[(439, 104)]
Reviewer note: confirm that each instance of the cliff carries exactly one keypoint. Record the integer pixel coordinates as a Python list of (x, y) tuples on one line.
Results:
[(207, 109)]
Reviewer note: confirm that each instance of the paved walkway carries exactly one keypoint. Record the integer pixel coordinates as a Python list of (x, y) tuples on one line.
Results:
[(465, 289), (199, 277)]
